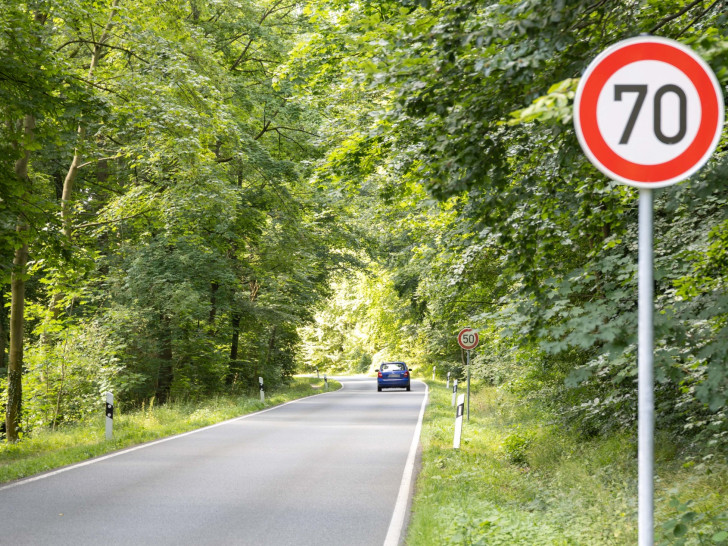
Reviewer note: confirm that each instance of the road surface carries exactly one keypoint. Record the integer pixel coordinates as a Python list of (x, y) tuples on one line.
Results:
[(322, 470)]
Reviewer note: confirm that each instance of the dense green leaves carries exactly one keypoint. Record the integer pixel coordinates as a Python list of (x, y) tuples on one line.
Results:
[(230, 159), (175, 245), (470, 103)]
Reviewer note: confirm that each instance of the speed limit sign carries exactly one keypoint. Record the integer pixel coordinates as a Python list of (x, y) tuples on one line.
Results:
[(648, 112), (468, 339)]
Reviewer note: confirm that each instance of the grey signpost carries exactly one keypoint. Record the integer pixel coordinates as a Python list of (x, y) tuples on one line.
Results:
[(648, 112)]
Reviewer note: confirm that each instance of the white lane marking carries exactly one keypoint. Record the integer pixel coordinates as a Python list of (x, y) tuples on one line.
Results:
[(24, 481), (394, 533)]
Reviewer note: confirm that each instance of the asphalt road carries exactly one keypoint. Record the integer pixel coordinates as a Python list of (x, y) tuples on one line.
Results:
[(323, 470)]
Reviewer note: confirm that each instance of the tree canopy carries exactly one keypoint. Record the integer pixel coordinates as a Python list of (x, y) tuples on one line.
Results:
[(494, 218), (212, 191)]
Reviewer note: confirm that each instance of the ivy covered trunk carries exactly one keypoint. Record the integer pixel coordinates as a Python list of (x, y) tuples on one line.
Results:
[(3, 329), (15, 361), (17, 300)]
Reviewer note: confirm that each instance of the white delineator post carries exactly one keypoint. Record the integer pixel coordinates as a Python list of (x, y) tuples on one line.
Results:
[(447, 385), (459, 421), (646, 401), (109, 416), (434, 368), (326, 382), (262, 392), (454, 391)]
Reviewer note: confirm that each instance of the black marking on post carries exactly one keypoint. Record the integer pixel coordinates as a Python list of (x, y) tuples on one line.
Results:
[(109, 410), (461, 408)]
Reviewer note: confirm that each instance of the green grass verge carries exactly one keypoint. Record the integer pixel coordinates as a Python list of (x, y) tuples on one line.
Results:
[(47, 450), (520, 479)]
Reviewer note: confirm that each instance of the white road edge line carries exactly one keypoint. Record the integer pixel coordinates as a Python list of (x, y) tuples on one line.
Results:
[(394, 533), (24, 481)]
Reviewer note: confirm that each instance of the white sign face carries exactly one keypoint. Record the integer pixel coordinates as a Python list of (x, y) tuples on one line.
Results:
[(468, 339), (648, 112)]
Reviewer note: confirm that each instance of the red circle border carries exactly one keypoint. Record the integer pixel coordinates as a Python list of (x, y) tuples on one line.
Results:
[(629, 53)]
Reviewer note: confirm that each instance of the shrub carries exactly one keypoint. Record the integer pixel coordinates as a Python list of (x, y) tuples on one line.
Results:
[(516, 444)]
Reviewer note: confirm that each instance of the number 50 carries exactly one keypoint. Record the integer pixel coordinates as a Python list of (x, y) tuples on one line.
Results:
[(641, 91)]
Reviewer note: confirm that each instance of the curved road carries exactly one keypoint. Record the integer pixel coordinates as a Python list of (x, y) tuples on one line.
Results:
[(322, 470)]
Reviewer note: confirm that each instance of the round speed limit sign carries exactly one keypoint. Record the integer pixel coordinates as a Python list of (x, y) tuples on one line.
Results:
[(468, 339), (648, 112)]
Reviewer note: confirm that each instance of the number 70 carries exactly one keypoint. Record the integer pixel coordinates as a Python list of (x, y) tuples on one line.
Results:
[(641, 91)]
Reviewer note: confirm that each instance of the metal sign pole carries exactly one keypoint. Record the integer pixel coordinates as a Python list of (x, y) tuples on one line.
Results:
[(646, 407), (468, 362)]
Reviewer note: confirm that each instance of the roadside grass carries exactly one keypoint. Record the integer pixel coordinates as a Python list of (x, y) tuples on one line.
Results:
[(521, 479), (47, 450)]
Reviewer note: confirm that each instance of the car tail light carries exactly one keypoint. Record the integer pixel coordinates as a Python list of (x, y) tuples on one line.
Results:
[(379, 374), (406, 374)]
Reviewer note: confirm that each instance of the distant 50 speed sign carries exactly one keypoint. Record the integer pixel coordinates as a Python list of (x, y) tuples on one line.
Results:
[(468, 339), (648, 112)]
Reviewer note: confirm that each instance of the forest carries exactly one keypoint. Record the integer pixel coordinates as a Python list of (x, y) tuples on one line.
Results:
[(197, 193)]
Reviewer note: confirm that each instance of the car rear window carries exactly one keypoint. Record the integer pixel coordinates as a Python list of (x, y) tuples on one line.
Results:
[(393, 366)]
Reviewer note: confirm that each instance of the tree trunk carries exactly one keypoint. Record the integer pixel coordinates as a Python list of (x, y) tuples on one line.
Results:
[(15, 362), (3, 328), (236, 336), (271, 344), (166, 373), (234, 367), (214, 287), (17, 301)]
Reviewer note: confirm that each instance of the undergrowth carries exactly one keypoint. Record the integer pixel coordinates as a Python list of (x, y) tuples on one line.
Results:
[(521, 478)]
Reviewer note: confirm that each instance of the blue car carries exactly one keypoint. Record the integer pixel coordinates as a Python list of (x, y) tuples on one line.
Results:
[(393, 374)]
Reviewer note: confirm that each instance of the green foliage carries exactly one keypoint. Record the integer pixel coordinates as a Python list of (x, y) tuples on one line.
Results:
[(190, 247), (240, 163), (686, 526), (516, 445), (457, 116), (361, 324), (573, 490)]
